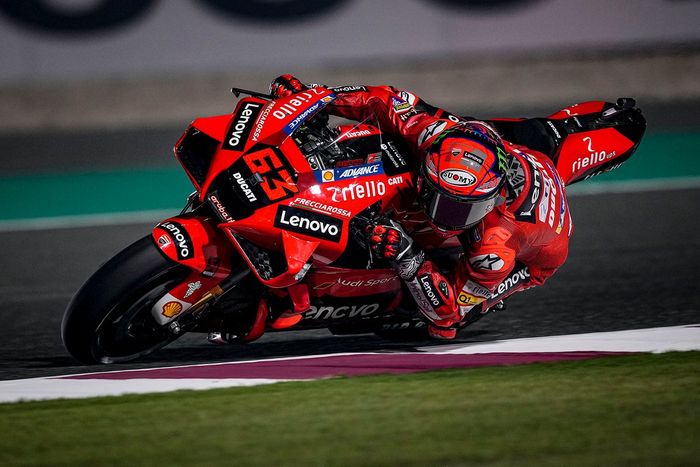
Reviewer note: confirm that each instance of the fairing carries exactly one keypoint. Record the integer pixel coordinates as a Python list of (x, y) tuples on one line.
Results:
[(193, 242), (272, 160)]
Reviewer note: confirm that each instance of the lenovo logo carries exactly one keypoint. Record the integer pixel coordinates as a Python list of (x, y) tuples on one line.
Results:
[(308, 223), (241, 126), (183, 242)]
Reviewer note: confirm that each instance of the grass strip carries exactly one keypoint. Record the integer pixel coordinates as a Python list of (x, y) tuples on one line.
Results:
[(637, 410)]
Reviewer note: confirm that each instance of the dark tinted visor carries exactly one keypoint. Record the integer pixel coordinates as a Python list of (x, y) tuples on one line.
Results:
[(450, 213)]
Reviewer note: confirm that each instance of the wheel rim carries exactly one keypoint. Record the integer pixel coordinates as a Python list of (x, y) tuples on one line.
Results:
[(129, 330)]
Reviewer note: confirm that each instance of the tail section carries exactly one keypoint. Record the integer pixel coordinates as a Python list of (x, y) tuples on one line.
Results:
[(584, 139), (596, 137)]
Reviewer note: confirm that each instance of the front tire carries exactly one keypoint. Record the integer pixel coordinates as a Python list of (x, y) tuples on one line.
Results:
[(109, 319)]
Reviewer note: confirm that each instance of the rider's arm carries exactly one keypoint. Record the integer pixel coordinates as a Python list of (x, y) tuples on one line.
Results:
[(489, 257), (398, 112), (487, 261), (431, 290), (446, 300)]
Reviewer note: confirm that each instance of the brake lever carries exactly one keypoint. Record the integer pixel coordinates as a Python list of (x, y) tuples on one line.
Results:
[(238, 91)]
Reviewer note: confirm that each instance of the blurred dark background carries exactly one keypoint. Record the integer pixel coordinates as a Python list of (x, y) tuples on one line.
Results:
[(105, 83)]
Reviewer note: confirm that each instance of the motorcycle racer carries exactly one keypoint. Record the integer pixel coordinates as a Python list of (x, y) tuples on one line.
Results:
[(505, 204)]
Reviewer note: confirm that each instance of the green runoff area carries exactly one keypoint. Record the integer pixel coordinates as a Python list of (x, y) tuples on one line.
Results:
[(633, 410), (627, 410), (46, 195)]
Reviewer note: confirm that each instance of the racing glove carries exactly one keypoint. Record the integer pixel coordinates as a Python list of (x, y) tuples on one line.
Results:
[(286, 85), (389, 241), (431, 290)]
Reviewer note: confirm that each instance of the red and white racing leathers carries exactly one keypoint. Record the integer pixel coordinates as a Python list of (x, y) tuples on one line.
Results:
[(517, 245)]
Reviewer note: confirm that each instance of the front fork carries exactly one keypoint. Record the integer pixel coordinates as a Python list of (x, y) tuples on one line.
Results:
[(193, 241)]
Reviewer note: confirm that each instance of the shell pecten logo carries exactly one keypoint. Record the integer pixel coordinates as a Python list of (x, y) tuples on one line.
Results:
[(328, 175), (172, 309)]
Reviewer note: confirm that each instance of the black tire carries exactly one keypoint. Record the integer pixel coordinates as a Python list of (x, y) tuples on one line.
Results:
[(109, 318), (410, 334)]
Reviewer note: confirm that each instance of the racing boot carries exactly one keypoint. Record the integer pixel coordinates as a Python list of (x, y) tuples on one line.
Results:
[(442, 329), (286, 320), (256, 330), (301, 302), (445, 334)]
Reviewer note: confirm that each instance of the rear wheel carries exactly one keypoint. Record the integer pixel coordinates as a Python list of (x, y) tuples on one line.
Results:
[(109, 319)]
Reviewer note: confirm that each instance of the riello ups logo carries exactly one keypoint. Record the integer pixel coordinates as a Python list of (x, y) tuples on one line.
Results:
[(308, 223)]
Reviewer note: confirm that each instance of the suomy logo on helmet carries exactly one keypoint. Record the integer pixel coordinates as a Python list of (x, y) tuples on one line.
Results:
[(457, 177)]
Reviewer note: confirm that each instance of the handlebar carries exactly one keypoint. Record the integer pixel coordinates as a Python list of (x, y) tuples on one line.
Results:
[(238, 91)]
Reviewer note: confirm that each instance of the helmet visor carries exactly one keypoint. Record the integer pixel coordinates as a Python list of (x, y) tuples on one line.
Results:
[(453, 214)]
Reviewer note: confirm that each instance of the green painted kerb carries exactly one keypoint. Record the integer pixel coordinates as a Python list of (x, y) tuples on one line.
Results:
[(91, 193), (661, 155)]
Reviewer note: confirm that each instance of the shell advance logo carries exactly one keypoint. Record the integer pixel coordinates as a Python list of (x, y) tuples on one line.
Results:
[(302, 117), (344, 173)]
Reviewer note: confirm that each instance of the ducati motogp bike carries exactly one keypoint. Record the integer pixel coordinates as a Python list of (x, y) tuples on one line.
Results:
[(275, 224)]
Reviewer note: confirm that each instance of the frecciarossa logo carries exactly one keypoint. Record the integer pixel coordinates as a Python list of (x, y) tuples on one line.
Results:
[(308, 223)]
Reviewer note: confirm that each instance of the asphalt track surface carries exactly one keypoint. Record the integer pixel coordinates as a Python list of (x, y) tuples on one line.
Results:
[(632, 264)]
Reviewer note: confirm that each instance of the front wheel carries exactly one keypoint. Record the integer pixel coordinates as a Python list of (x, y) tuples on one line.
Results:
[(109, 319)]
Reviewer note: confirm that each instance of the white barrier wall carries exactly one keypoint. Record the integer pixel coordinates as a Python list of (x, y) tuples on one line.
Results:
[(81, 39)]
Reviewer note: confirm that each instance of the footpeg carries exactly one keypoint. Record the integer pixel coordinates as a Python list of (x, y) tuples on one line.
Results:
[(220, 338), (622, 105)]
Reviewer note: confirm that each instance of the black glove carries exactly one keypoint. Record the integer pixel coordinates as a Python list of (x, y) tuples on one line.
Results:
[(387, 240), (286, 85)]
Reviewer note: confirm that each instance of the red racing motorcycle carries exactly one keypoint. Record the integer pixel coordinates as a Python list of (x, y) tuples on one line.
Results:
[(276, 225)]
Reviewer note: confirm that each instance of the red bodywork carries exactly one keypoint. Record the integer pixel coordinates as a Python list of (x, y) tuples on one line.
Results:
[(584, 153), (291, 222), (301, 213)]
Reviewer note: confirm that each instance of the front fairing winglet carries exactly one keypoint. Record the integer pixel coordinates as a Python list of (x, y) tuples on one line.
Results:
[(296, 257)]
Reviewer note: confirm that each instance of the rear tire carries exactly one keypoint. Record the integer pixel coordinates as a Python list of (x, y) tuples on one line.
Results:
[(416, 333), (109, 319)]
